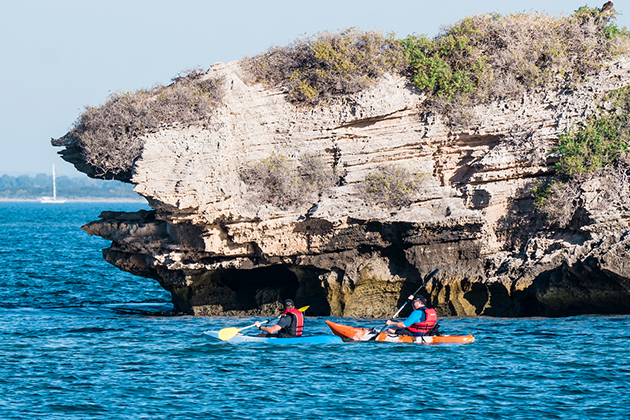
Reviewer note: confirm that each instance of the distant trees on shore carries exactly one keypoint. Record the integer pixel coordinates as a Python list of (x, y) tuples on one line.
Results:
[(26, 187)]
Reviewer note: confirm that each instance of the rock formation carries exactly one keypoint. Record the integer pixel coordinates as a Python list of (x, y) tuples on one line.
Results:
[(218, 251)]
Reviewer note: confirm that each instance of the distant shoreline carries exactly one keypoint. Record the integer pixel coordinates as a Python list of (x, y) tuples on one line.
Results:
[(77, 200)]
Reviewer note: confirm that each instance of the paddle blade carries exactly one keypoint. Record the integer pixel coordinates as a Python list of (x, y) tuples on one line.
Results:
[(227, 333), (303, 308)]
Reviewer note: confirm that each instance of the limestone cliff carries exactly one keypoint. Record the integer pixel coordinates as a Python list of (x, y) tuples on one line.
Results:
[(218, 252)]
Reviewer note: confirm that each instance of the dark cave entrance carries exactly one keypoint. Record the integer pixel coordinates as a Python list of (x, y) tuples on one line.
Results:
[(259, 289), (251, 289)]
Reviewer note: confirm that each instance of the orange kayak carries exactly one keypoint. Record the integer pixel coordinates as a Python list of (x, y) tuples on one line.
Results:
[(350, 333)]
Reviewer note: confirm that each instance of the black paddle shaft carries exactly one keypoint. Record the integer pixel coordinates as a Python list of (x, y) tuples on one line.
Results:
[(424, 283)]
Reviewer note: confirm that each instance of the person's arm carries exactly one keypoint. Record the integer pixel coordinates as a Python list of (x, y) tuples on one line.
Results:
[(397, 324), (283, 322), (416, 316), (401, 324), (271, 330)]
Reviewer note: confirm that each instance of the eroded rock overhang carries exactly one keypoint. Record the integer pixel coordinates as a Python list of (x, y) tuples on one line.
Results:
[(219, 252)]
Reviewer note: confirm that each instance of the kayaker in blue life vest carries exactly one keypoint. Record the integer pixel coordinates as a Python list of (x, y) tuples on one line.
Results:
[(421, 320), (290, 324)]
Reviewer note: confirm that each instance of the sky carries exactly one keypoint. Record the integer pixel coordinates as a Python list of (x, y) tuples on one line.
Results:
[(56, 57)]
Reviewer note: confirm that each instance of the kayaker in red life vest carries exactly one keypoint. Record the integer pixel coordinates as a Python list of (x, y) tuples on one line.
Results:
[(290, 324), (421, 320)]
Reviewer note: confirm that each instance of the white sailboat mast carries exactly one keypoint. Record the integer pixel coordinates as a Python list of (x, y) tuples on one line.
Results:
[(54, 184)]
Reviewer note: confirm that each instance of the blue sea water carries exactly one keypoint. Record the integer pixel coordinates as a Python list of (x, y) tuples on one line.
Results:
[(80, 339)]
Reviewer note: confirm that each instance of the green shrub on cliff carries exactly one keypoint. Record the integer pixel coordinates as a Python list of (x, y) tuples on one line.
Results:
[(597, 149), (319, 67), (598, 141), (109, 135), (450, 65), (284, 182)]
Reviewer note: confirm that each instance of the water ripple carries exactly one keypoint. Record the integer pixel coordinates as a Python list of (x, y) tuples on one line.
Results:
[(80, 339)]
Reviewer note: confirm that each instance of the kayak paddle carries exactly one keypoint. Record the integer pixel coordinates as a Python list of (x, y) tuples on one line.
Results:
[(429, 277), (230, 332)]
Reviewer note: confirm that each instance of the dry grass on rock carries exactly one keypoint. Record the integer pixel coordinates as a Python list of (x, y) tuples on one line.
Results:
[(487, 57), (287, 183), (320, 67), (110, 135), (477, 59), (392, 186)]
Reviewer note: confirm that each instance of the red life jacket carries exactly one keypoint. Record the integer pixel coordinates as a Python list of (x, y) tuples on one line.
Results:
[(297, 323), (430, 318)]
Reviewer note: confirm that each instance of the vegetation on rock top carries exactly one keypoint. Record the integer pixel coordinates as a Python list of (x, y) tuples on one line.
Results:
[(477, 59), (485, 57), (328, 65), (110, 135)]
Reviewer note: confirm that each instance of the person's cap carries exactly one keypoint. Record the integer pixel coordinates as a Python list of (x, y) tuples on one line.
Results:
[(288, 303), (421, 299)]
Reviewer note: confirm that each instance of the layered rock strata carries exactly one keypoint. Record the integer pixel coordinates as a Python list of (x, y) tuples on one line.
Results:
[(217, 251)]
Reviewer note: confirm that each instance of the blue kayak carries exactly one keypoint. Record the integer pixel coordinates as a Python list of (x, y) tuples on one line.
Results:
[(314, 339)]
